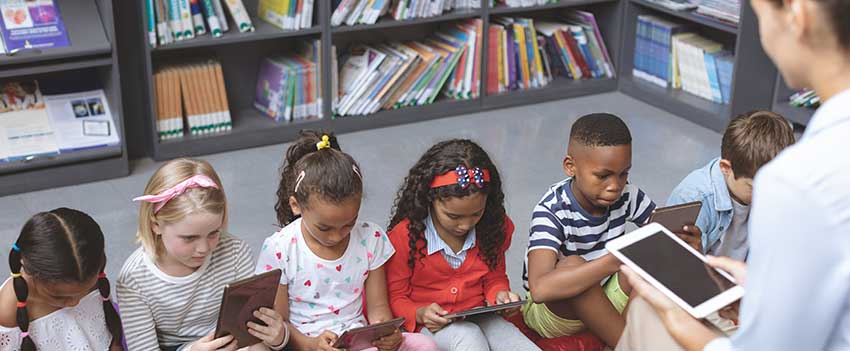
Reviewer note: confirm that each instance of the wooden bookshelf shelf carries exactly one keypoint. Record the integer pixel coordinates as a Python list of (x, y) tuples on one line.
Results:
[(557, 89), (505, 10), (616, 19), (387, 22), (262, 31), (90, 27), (691, 107), (689, 16)]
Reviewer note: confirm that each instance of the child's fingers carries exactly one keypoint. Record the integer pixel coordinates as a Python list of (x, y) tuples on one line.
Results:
[(269, 320), (260, 328), (221, 342), (259, 335)]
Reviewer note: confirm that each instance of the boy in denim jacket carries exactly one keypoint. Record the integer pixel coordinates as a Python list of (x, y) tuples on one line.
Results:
[(725, 185)]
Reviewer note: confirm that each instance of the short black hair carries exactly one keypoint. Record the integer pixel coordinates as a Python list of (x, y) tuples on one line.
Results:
[(600, 129)]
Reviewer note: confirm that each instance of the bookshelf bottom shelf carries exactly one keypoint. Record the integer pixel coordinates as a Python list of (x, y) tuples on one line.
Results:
[(703, 112)]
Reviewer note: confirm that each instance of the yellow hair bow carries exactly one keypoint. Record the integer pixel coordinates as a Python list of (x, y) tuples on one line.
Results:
[(324, 144)]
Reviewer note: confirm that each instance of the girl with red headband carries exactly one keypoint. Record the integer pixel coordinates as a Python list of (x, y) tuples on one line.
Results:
[(450, 233)]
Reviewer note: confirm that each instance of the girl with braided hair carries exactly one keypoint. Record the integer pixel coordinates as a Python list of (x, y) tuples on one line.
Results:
[(450, 233), (58, 298)]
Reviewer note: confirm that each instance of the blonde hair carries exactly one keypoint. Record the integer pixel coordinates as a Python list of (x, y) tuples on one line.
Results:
[(194, 200)]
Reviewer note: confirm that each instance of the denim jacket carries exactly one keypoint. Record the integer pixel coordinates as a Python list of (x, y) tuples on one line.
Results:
[(708, 186)]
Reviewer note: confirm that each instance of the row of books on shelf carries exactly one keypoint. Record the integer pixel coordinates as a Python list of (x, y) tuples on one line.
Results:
[(395, 75), (727, 11), (526, 54), (669, 54), (351, 12), (33, 124), (804, 98), (191, 98), (170, 21), (289, 87), (33, 24)]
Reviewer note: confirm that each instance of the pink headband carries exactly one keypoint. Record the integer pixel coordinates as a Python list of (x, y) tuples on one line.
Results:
[(196, 181)]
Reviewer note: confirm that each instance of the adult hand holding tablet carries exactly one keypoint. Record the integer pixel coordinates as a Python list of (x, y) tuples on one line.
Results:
[(676, 270)]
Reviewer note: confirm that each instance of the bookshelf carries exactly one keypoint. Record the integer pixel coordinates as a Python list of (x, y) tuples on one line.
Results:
[(753, 78), (90, 60), (239, 54), (799, 115)]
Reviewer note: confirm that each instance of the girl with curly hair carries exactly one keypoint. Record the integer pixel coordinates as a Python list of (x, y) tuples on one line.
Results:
[(450, 233)]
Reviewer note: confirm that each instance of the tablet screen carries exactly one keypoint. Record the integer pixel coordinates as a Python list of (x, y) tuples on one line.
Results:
[(677, 268)]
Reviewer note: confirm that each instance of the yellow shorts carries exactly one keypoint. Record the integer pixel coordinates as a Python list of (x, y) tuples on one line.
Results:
[(549, 325)]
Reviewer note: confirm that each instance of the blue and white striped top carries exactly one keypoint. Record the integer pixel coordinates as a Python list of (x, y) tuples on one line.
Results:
[(560, 224)]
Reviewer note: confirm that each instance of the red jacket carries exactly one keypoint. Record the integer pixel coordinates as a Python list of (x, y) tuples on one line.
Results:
[(433, 280)]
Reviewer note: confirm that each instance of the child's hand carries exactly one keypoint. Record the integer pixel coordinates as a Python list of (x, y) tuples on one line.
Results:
[(507, 296), (325, 341), (431, 317), (207, 343), (390, 342), (274, 333), (692, 235)]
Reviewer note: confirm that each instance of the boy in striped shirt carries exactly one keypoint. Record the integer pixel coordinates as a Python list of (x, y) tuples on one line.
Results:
[(566, 258)]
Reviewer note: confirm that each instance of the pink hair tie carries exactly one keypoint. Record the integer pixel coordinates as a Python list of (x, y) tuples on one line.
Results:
[(196, 181), (105, 298), (24, 335)]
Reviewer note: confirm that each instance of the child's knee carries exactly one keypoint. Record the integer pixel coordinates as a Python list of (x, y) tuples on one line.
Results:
[(466, 336), (418, 342)]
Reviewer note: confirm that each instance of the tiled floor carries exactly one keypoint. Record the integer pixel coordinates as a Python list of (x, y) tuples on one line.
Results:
[(526, 143)]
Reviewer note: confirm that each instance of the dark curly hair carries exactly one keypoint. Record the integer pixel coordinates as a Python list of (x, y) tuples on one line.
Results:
[(62, 245), (329, 173), (416, 197)]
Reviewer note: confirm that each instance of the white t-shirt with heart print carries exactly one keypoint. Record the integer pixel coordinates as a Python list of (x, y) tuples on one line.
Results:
[(325, 294)]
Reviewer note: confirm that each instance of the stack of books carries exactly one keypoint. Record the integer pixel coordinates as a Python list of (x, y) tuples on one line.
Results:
[(395, 75), (351, 12), (289, 87), (196, 89), (668, 54), (524, 54), (170, 21)]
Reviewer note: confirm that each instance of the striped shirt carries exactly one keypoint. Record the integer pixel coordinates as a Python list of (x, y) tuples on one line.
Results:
[(560, 224), (159, 310), (435, 244)]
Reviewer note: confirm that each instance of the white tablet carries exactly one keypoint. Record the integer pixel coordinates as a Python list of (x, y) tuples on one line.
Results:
[(675, 268)]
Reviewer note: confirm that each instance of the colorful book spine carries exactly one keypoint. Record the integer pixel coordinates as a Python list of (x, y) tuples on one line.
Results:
[(151, 20), (197, 17), (239, 15), (212, 18)]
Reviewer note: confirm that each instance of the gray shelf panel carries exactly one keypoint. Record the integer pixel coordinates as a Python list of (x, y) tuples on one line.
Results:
[(262, 31), (690, 17), (801, 115), (695, 109), (251, 129), (557, 89), (60, 159), (55, 66), (85, 31), (387, 21), (504, 10), (77, 173)]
